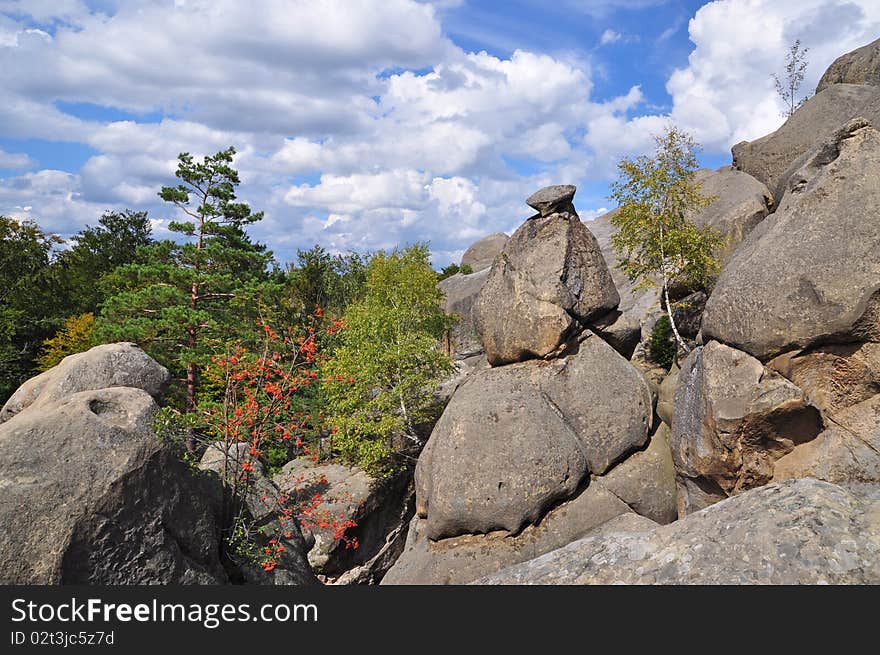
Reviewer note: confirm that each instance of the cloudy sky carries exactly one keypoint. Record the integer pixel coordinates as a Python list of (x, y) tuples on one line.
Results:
[(364, 124)]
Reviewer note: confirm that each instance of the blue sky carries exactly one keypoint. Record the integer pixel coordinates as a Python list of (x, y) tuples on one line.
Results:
[(364, 124)]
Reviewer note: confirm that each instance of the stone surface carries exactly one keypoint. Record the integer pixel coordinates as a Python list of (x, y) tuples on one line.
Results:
[(835, 376), (622, 331), (549, 279), (90, 497), (733, 419), (552, 199), (797, 532), (645, 481), (516, 439), (666, 395), (481, 254), (767, 158), (461, 293), (463, 369), (461, 559), (110, 365), (861, 66), (740, 203), (847, 453), (809, 273)]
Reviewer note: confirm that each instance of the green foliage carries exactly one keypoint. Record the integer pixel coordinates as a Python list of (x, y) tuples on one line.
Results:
[(379, 383), (74, 337), (662, 347), (452, 269), (182, 301), (319, 279), (795, 69), (27, 306)]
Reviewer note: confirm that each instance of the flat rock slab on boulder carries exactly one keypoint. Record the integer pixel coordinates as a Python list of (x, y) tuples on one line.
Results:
[(480, 255), (550, 278), (110, 365), (740, 203), (552, 199), (766, 159), (461, 292), (91, 497), (861, 66), (810, 271), (797, 532), (515, 440), (465, 558), (733, 419)]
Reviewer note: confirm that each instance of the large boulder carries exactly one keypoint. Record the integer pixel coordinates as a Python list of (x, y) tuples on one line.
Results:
[(797, 532), (861, 66), (847, 453), (481, 254), (767, 158), (110, 365), (809, 273), (733, 419), (739, 203), (515, 440), (461, 292), (465, 558), (549, 280), (91, 497)]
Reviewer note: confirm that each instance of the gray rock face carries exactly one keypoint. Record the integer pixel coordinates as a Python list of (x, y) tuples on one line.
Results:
[(462, 292), (461, 559), (810, 272), (741, 202), (481, 254), (110, 365), (90, 497), (834, 376), (733, 419), (861, 66), (552, 199), (666, 395), (516, 439), (550, 278), (797, 532), (847, 453), (767, 158)]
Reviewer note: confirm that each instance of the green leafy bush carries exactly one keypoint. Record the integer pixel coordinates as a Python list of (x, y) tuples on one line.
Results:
[(662, 347)]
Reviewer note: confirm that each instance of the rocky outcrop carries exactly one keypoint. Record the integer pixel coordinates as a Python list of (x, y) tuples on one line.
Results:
[(548, 282), (797, 532), (461, 292), (516, 439), (809, 274), (767, 158), (110, 365), (739, 203), (379, 510), (861, 66), (480, 255), (733, 419), (89, 494)]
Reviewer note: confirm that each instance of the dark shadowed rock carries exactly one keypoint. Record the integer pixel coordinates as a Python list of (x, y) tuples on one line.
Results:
[(461, 293), (91, 497), (733, 419), (110, 365), (482, 253), (552, 199), (740, 203), (516, 439), (549, 279), (861, 66), (847, 453), (767, 158), (797, 532), (464, 558), (809, 274)]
